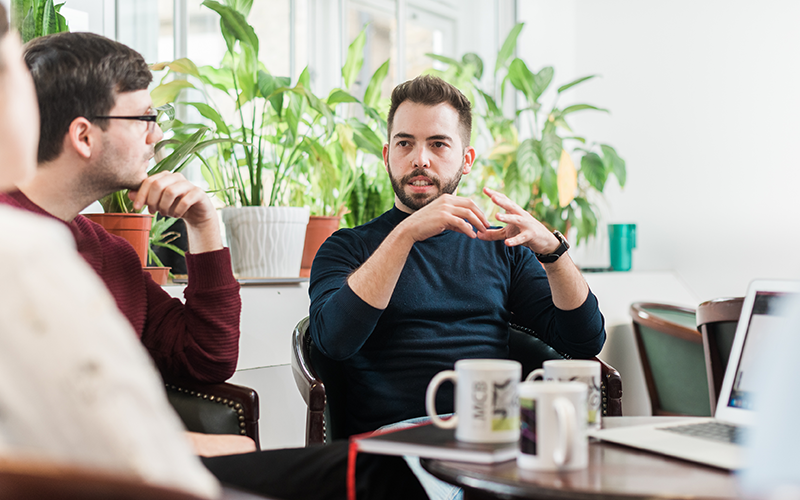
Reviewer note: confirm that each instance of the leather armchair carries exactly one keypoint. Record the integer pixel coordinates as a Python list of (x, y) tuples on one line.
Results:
[(216, 408)]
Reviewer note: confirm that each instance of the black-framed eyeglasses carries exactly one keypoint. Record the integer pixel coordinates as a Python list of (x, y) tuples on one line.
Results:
[(143, 118), (150, 118)]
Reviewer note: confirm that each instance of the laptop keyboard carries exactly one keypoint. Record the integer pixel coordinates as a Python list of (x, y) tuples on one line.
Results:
[(716, 431)]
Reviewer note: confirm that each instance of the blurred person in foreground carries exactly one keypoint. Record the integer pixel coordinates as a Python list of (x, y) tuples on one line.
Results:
[(79, 387)]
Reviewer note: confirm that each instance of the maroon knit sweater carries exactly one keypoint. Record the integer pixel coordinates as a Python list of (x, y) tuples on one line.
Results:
[(196, 341)]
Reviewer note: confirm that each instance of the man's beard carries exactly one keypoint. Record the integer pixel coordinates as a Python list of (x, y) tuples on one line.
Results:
[(417, 201)]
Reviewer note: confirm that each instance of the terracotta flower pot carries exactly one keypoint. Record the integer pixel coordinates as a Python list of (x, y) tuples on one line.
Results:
[(133, 227), (319, 228), (159, 274)]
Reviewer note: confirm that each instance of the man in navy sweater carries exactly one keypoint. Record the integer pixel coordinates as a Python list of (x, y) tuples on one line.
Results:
[(430, 281)]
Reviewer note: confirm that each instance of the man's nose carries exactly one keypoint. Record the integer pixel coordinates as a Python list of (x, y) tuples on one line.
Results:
[(155, 134), (422, 158)]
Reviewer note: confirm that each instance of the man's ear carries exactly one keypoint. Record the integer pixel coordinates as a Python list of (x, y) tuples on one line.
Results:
[(80, 137), (469, 159), (386, 157)]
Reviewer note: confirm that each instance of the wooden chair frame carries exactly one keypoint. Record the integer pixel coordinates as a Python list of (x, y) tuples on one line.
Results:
[(641, 317), (721, 310)]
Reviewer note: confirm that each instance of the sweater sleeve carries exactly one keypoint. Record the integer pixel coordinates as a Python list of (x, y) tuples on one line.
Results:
[(340, 321), (198, 340), (579, 333)]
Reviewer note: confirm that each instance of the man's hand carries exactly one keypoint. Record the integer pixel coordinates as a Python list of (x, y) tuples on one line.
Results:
[(567, 285), (375, 280), (214, 445), (445, 212), (171, 195), (521, 228)]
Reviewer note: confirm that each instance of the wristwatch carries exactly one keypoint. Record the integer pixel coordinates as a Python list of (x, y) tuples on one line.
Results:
[(547, 258)]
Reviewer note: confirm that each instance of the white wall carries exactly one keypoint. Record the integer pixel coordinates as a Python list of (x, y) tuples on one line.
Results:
[(705, 101)]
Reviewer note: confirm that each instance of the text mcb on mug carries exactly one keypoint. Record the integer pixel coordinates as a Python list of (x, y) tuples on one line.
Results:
[(486, 402)]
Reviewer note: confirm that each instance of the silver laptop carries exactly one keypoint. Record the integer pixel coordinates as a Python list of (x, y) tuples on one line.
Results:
[(717, 441)]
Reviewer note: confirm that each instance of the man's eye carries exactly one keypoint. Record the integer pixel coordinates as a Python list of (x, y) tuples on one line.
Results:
[(439, 144), (402, 144)]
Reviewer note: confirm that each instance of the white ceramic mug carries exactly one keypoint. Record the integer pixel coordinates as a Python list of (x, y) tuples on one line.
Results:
[(486, 404), (552, 433), (576, 370)]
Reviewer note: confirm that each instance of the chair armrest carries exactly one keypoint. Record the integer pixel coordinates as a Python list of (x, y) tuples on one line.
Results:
[(309, 384), (216, 408), (611, 390)]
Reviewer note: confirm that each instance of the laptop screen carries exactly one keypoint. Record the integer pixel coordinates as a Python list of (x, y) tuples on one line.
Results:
[(767, 314)]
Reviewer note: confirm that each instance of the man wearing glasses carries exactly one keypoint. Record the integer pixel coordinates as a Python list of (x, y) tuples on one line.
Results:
[(98, 133)]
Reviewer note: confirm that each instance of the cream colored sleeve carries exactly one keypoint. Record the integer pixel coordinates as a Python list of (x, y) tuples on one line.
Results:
[(77, 385)]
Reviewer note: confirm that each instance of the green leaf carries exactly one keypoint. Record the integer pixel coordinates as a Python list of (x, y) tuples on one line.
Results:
[(551, 147), (594, 171), (355, 59), (241, 6), (444, 59), (166, 109), (587, 223), (184, 66), (233, 26), (528, 162), (515, 187), (580, 107), (168, 92), (373, 93), (181, 153), (474, 60), (49, 22), (549, 184), (367, 140), (212, 114), (575, 82), (273, 88), (508, 47), (522, 79), (29, 26), (338, 96), (542, 80), (614, 163)]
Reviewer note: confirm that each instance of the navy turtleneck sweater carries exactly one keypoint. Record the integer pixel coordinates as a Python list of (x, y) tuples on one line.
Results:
[(454, 299)]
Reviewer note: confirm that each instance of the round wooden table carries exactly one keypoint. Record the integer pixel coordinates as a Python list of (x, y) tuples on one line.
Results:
[(614, 472)]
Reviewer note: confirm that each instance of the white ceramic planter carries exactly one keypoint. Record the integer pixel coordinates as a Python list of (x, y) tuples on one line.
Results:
[(266, 242)]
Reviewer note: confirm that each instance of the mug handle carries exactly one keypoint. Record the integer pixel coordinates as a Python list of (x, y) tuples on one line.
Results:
[(430, 399), (539, 372), (567, 425)]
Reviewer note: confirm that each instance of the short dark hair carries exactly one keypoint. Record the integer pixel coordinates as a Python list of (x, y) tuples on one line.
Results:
[(79, 74), (430, 91)]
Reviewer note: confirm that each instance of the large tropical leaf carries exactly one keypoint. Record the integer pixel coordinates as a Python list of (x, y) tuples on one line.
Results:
[(355, 59), (594, 171), (168, 92), (508, 47), (373, 93), (233, 26), (614, 163)]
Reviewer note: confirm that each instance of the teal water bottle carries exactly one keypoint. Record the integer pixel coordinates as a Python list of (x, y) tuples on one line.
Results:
[(622, 238)]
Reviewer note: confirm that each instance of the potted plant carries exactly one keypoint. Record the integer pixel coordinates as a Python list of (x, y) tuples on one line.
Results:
[(35, 18), (259, 173), (537, 172), (337, 162)]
